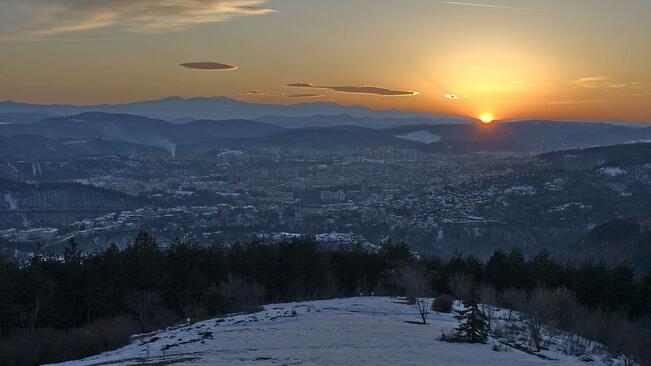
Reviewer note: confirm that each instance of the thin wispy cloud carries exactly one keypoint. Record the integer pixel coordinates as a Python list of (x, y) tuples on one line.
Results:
[(373, 90), (256, 92), (602, 81), (70, 39), (262, 93), (590, 81), (491, 6), (265, 93), (304, 96), (53, 17), (575, 102)]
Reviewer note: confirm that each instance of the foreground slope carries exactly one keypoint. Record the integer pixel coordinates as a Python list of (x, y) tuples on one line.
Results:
[(367, 330)]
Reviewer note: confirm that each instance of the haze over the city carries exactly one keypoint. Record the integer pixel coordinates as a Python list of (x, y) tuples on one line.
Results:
[(552, 59)]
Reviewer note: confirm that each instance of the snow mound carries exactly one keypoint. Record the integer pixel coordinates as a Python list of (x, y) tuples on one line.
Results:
[(423, 136), (612, 171), (353, 331)]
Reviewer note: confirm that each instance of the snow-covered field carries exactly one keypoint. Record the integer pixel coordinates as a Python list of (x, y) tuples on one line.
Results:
[(423, 136), (353, 331), (612, 171)]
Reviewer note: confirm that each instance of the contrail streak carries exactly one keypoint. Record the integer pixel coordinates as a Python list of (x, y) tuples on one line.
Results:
[(490, 6)]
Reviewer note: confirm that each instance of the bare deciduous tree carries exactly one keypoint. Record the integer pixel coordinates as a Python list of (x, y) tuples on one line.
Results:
[(489, 312), (460, 284), (537, 311), (423, 306), (488, 294), (632, 342), (489, 300), (144, 304), (416, 283), (244, 295), (512, 299)]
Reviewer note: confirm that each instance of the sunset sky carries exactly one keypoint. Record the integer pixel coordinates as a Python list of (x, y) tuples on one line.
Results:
[(558, 59)]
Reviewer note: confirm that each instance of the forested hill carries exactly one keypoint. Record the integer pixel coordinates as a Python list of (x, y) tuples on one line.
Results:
[(59, 196), (45, 204), (616, 241), (604, 156), (96, 301)]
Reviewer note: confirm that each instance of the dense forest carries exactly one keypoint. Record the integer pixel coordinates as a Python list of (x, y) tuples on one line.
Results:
[(57, 308)]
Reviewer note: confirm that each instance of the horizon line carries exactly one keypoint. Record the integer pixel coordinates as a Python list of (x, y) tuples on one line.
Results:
[(406, 111)]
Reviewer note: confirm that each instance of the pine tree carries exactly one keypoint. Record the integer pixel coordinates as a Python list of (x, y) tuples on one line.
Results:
[(473, 327), (71, 253)]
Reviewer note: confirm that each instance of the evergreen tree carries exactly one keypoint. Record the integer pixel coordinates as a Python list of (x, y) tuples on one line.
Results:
[(473, 327), (71, 253)]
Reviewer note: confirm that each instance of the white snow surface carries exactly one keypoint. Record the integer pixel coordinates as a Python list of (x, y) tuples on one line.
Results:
[(352, 331), (612, 171), (423, 136)]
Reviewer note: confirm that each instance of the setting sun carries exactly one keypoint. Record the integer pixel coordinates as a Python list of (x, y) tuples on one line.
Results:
[(486, 118)]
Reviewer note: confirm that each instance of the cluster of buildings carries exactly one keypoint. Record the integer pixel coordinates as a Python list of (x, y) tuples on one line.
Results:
[(32, 234), (364, 197), (234, 196)]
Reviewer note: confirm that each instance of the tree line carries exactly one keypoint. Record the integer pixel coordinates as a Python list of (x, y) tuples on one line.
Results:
[(55, 308)]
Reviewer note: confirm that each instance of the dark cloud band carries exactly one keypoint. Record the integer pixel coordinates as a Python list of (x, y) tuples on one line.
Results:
[(208, 66), (373, 90)]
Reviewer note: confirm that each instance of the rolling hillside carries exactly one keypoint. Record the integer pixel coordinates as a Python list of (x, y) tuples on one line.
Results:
[(106, 133), (126, 134), (616, 155), (353, 331)]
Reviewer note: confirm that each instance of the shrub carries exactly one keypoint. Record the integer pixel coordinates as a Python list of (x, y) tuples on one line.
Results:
[(460, 284), (488, 294), (243, 295), (214, 301), (443, 303), (47, 345), (450, 335)]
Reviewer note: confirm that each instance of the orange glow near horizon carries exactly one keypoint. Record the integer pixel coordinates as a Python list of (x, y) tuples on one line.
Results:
[(565, 64), (486, 118)]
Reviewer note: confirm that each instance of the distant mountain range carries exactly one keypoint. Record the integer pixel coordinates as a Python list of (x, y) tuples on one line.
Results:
[(180, 110), (79, 131), (96, 133), (325, 120), (24, 117), (35, 147)]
